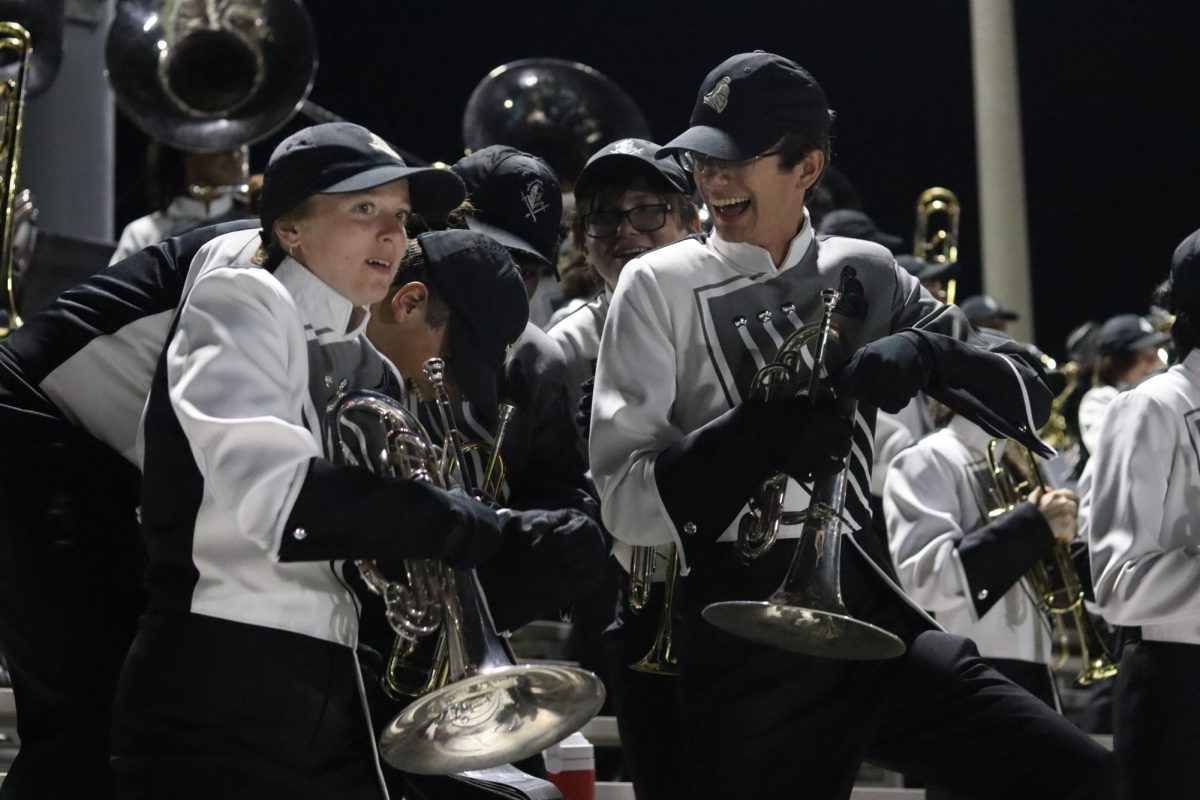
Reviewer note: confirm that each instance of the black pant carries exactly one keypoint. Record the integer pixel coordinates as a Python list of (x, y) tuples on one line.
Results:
[(71, 562), (1033, 678), (647, 706), (1156, 715), (767, 724), (209, 709)]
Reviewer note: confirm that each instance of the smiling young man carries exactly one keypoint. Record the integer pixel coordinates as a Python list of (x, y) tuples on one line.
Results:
[(679, 444), (243, 678)]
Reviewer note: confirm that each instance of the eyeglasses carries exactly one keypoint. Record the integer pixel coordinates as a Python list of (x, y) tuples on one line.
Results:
[(699, 163), (643, 219)]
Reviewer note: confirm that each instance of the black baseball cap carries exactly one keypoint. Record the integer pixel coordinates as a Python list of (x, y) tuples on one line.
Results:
[(984, 307), (1185, 274), (857, 225), (1128, 333), (924, 270), (517, 199), (477, 279), (748, 103), (627, 158), (339, 157)]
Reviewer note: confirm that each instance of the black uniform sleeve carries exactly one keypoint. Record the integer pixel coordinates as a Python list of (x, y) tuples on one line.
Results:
[(348, 512), (997, 555)]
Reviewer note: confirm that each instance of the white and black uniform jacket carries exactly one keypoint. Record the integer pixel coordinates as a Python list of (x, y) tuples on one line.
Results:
[(690, 324), (1142, 507), (245, 520), (951, 560), (86, 361)]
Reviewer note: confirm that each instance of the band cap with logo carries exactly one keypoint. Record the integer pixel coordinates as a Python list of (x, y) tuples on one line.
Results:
[(516, 197), (748, 103), (627, 157), (341, 157)]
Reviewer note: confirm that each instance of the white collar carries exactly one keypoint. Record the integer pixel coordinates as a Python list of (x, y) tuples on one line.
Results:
[(972, 436), (754, 260), (320, 304), (184, 207)]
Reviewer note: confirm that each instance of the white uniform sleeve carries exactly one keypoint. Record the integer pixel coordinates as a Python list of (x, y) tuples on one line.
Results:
[(1139, 579), (920, 503), (635, 391), (237, 374)]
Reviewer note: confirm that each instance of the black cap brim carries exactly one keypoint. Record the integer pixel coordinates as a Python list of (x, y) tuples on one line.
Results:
[(505, 238), (707, 140), (1151, 341), (433, 191), (614, 166)]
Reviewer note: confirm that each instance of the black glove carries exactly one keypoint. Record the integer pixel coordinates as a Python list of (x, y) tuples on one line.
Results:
[(812, 440), (583, 417), (886, 373), (549, 560), (475, 534), (706, 477)]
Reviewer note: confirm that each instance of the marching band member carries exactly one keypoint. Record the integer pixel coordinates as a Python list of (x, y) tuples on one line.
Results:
[(1127, 352), (515, 199), (676, 451), (457, 295), (243, 677), (73, 382), (1142, 524), (966, 569), (176, 210), (627, 203)]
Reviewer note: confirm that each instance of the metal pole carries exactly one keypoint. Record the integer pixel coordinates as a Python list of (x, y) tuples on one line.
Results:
[(1001, 163)]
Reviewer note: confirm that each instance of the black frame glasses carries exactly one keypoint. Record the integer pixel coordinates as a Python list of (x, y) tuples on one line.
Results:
[(643, 219), (699, 163)]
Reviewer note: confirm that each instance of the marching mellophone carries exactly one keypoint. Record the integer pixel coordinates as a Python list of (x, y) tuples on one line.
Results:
[(492, 711), (806, 614)]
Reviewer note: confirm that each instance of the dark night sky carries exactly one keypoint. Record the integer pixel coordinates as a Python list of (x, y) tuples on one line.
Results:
[(1108, 89)]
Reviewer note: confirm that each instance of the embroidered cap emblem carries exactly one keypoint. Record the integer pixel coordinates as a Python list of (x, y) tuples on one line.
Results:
[(534, 199), (626, 147), (718, 98), (379, 144)]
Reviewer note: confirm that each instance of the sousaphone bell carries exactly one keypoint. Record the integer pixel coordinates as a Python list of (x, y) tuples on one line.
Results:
[(206, 76)]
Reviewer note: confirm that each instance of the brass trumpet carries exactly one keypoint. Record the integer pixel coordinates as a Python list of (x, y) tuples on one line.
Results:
[(660, 659), (806, 614), (1054, 580)]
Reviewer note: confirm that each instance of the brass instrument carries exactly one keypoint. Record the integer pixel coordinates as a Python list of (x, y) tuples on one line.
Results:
[(406, 675), (16, 44), (206, 76), (806, 614), (782, 377), (561, 111), (1053, 579), (936, 237), (643, 563), (495, 711), (660, 658), (1056, 432)]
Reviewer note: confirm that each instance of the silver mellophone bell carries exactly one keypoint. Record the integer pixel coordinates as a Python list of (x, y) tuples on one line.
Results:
[(479, 708)]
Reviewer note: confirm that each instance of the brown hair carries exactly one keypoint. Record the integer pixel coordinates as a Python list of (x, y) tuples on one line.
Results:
[(271, 252)]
